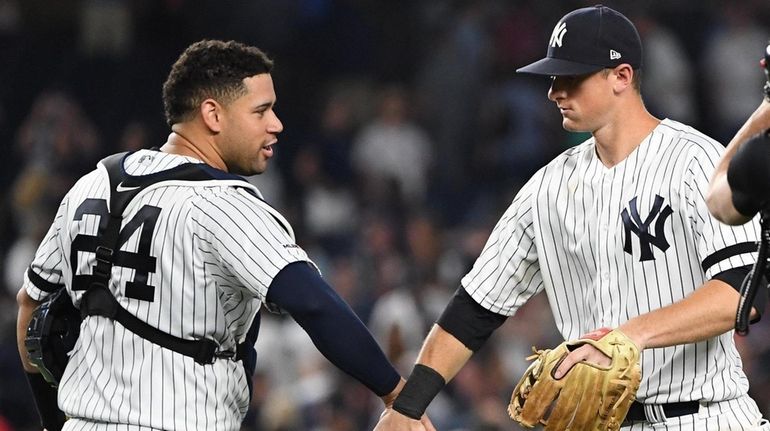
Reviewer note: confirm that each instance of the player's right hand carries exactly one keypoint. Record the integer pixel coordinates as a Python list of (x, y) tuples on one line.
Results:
[(391, 420)]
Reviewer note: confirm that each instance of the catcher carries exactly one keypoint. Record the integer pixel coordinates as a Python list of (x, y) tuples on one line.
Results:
[(740, 188), (170, 255), (617, 233)]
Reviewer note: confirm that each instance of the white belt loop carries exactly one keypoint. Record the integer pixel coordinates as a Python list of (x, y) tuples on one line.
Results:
[(654, 413)]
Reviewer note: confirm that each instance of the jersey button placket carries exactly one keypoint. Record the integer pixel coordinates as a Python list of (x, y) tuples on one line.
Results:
[(603, 244)]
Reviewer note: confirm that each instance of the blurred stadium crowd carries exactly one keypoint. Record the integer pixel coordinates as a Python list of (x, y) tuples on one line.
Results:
[(407, 133)]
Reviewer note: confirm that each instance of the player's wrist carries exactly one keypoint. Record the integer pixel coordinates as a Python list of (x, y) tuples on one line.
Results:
[(422, 386), (635, 335), (389, 398)]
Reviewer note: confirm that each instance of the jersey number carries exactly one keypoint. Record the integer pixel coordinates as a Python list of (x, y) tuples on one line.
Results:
[(140, 261)]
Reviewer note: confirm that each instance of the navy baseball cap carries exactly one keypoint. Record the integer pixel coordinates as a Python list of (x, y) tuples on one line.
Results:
[(589, 39)]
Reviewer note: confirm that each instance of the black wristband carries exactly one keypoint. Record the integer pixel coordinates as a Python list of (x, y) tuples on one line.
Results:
[(423, 385), (46, 402)]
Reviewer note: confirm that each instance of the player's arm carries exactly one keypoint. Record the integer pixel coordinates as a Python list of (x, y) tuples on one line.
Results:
[(334, 328), (462, 329), (707, 312), (719, 196), (45, 396), (26, 306)]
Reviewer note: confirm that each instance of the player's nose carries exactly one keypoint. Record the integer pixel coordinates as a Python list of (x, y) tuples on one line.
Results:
[(275, 126), (557, 89)]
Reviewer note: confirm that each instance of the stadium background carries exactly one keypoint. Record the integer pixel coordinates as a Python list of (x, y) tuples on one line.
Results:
[(407, 133)]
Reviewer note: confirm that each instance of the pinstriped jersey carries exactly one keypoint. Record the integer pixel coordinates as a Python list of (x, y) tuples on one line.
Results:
[(202, 256), (609, 244)]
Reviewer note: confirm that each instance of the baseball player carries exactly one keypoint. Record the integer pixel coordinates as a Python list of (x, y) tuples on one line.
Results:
[(617, 233), (195, 254), (738, 204)]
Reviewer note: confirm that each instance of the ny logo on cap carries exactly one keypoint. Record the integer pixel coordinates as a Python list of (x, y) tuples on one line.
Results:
[(614, 55), (558, 34)]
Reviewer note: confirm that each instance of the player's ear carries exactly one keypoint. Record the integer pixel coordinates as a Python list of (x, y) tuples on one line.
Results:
[(211, 113), (623, 76)]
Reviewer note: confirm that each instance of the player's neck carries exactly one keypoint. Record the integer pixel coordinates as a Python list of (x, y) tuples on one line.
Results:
[(180, 144), (617, 140)]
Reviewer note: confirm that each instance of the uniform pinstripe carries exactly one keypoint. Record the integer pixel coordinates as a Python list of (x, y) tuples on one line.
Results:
[(565, 233), (218, 247)]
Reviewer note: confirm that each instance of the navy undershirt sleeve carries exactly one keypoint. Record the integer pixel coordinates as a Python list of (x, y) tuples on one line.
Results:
[(334, 328)]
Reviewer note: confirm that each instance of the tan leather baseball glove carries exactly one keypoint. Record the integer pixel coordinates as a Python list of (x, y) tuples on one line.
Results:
[(589, 397)]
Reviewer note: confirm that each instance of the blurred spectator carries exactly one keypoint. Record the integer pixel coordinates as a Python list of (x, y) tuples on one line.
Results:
[(392, 147), (57, 143), (730, 64), (344, 109), (667, 82), (105, 28), (10, 17), (329, 209), (135, 136), (449, 84)]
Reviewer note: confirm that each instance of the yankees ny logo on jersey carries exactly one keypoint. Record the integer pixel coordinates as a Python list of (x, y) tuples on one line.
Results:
[(633, 223), (558, 34)]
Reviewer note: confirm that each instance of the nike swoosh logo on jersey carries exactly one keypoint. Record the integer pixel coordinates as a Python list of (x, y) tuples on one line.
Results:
[(121, 188)]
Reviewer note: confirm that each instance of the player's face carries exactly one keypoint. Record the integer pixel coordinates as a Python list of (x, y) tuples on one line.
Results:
[(250, 127), (583, 100)]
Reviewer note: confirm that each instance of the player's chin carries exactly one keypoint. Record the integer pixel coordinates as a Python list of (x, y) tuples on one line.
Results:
[(259, 166), (568, 125), (248, 169), (571, 125)]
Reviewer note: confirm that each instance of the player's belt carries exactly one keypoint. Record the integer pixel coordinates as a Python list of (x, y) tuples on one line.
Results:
[(656, 413)]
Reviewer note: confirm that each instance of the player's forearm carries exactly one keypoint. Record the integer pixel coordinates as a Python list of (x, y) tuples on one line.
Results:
[(707, 312), (757, 122), (444, 353), (719, 195), (26, 306), (441, 357), (335, 329), (720, 202)]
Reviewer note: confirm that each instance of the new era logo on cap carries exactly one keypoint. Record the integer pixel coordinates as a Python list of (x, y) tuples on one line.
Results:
[(598, 37)]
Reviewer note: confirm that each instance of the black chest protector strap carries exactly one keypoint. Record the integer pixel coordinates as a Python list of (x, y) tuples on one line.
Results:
[(99, 301)]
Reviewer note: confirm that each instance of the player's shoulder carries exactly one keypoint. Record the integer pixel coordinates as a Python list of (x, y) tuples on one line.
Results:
[(571, 156), (176, 170), (151, 162), (687, 139)]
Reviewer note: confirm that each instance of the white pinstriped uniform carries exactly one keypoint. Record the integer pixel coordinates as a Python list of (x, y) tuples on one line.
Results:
[(217, 248), (565, 233)]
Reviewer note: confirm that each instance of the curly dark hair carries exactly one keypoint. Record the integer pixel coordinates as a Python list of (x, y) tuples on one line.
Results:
[(210, 69)]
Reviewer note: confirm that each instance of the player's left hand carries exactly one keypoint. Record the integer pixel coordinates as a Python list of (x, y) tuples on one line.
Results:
[(584, 384), (585, 353)]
